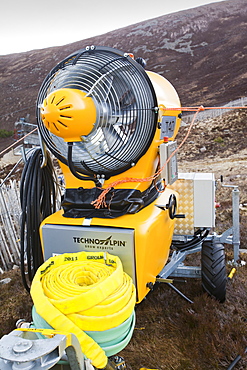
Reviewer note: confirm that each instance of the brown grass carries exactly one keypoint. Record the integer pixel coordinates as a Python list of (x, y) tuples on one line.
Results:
[(15, 302), (171, 333)]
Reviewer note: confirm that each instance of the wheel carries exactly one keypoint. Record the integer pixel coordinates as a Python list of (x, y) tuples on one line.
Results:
[(214, 269)]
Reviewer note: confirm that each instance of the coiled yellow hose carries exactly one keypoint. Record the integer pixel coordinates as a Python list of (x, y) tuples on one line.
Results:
[(81, 291)]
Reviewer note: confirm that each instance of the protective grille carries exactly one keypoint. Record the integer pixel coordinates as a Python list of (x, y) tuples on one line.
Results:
[(126, 110)]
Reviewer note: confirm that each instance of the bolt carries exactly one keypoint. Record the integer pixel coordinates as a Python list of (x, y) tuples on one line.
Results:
[(150, 285), (22, 346)]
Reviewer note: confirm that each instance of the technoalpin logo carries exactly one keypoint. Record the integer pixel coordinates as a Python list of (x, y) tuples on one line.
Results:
[(108, 241)]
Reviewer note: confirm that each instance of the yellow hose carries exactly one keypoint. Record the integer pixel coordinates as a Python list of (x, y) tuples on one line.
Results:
[(81, 291)]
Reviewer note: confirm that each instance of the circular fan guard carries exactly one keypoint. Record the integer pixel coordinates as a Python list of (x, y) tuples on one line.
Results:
[(126, 110)]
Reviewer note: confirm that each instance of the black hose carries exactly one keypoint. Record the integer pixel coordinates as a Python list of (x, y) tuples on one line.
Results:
[(73, 170), (235, 361), (198, 238), (38, 201)]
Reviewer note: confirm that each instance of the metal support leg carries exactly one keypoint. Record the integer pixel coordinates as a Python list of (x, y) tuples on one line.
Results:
[(235, 223), (175, 266), (235, 229)]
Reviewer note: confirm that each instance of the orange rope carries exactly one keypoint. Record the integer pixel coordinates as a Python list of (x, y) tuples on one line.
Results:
[(100, 201), (16, 142), (195, 109)]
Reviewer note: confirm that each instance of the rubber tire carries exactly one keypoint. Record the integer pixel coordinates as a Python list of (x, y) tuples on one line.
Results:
[(214, 270)]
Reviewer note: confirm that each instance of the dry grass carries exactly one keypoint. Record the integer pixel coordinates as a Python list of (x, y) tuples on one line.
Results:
[(174, 334), (15, 302), (170, 333)]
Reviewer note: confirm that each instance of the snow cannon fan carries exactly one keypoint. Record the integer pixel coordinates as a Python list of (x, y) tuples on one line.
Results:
[(97, 113)]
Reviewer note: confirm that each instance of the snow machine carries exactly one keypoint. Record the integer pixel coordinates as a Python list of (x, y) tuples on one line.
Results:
[(125, 220)]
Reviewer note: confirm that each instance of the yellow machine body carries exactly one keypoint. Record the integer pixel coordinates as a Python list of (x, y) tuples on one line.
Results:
[(112, 127), (151, 226), (168, 99), (152, 230)]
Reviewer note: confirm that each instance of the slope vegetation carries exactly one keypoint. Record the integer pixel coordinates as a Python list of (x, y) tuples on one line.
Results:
[(201, 51)]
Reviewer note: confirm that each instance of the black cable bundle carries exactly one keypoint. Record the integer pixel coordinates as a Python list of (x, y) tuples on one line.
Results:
[(38, 200), (198, 237)]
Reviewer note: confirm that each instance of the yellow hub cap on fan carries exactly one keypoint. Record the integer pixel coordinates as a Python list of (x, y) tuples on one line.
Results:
[(69, 113)]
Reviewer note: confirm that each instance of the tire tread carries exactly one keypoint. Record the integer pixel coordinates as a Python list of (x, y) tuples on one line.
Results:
[(214, 270)]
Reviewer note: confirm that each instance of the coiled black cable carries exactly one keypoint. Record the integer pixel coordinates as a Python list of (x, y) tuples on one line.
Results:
[(38, 200)]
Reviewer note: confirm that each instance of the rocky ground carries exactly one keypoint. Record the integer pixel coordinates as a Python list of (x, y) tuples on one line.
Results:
[(171, 333)]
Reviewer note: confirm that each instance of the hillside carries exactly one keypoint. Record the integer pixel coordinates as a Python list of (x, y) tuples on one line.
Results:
[(201, 51)]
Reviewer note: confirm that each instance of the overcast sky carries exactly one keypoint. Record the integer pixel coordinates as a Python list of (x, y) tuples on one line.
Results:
[(28, 24)]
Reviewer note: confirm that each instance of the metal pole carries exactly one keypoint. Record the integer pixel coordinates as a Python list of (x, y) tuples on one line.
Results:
[(235, 223)]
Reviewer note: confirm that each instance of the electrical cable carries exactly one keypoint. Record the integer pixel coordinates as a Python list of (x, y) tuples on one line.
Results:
[(196, 240), (235, 361), (73, 170), (38, 200)]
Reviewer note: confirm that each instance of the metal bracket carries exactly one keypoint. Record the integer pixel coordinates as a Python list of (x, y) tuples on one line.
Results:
[(187, 271), (20, 349), (235, 230), (174, 266), (225, 237)]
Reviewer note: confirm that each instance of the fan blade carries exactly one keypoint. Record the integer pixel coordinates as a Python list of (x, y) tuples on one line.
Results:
[(106, 76), (112, 138)]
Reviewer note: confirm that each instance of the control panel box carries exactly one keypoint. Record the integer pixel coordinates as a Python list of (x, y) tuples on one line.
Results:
[(196, 201), (168, 160), (168, 124)]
